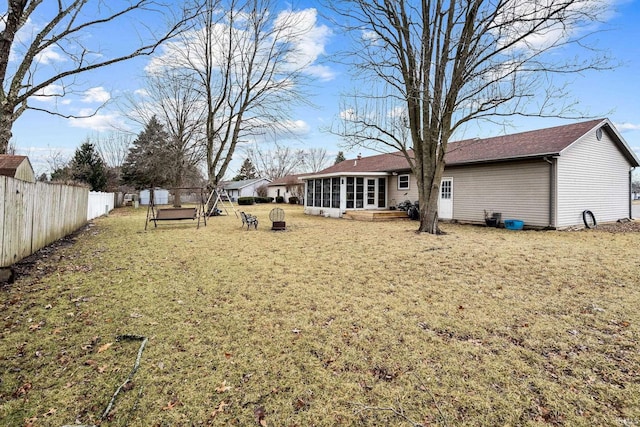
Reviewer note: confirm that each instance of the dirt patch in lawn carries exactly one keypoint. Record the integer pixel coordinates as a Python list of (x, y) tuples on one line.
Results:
[(332, 322)]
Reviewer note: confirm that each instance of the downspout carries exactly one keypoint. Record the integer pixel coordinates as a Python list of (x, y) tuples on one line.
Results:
[(630, 192), (552, 190)]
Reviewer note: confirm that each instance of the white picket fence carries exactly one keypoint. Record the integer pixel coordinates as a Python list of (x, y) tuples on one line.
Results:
[(33, 215)]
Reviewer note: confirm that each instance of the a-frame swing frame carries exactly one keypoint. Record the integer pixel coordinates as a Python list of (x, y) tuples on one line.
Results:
[(223, 199), (155, 214)]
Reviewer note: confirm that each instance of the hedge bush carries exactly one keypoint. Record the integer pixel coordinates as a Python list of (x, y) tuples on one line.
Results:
[(279, 199), (246, 200), (263, 199), (293, 200)]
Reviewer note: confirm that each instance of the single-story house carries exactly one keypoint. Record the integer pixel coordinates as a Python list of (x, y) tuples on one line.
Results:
[(245, 188), (546, 178), (287, 186), (18, 167)]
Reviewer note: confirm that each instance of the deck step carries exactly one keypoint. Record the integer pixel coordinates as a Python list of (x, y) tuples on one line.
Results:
[(375, 215)]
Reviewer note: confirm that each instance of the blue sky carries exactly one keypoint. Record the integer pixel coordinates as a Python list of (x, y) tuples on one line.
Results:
[(614, 94)]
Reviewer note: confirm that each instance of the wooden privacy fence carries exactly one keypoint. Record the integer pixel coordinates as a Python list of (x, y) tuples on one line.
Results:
[(33, 215)]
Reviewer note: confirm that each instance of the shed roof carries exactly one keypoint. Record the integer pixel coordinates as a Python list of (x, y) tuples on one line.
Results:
[(236, 185), (9, 164), (531, 144)]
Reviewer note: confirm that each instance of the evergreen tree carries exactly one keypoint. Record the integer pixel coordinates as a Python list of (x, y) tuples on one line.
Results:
[(150, 159), (339, 158), (247, 171), (87, 166)]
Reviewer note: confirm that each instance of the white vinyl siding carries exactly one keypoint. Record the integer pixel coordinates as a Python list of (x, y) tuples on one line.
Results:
[(396, 196), (592, 175), (518, 190)]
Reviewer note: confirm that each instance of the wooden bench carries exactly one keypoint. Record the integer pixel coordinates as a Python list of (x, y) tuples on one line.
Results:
[(176, 214)]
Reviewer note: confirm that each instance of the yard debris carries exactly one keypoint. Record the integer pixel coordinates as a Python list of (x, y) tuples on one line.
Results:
[(105, 347), (223, 387), (219, 409), (260, 414), (133, 370)]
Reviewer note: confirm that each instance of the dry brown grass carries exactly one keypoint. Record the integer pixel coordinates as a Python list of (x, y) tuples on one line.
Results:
[(333, 322)]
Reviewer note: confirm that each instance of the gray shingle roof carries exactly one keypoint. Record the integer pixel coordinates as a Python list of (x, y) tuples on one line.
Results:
[(236, 185)]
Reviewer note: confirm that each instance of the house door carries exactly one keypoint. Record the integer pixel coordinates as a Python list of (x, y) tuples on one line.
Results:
[(445, 201), (371, 194)]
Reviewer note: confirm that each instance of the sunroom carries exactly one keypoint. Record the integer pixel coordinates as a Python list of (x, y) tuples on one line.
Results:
[(333, 196)]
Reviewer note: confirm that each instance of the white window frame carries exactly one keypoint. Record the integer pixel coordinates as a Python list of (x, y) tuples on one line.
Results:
[(408, 181)]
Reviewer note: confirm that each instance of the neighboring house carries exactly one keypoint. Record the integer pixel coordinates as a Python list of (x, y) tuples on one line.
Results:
[(18, 167), (246, 188), (546, 178), (287, 186)]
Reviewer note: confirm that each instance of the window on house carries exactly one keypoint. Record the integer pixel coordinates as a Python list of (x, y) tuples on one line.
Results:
[(371, 191), (359, 192), (326, 193), (335, 192), (317, 194), (382, 193), (445, 190), (403, 182), (310, 192), (350, 193)]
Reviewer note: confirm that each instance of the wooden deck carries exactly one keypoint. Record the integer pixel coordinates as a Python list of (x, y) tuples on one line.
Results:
[(375, 215)]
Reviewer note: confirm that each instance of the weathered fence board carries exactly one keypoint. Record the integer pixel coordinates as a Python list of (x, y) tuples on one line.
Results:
[(35, 215)]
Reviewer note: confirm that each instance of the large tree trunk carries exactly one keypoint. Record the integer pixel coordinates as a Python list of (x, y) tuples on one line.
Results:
[(6, 123), (429, 191)]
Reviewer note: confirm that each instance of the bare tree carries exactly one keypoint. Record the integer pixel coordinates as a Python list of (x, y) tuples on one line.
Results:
[(113, 147), (58, 164), (46, 60), (173, 98), (250, 66), (440, 64), (316, 159), (277, 162)]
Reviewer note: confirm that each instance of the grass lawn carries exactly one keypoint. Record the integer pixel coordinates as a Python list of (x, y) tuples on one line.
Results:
[(332, 322)]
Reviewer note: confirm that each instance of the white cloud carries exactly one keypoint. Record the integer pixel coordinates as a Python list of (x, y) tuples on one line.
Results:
[(96, 94), (626, 127), (299, 29), (308, 40), (348, 114), (49, 56), (370, 36), (397, 112), (141, 92), (546, 23), (49, 94), (99, 122)]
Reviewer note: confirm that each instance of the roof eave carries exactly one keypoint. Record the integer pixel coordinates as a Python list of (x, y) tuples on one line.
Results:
[(504, 159), (344, 173)]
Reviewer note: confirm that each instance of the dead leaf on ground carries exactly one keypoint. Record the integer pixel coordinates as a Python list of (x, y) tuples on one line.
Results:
[(219, 409), (172, 404), (223, 387), (105, 347), (51, 411), (24, 389)]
